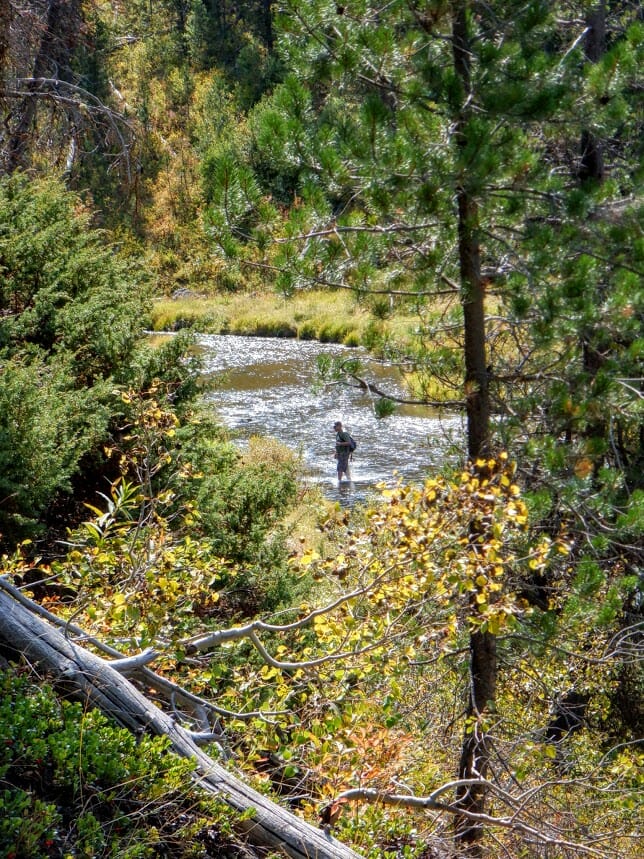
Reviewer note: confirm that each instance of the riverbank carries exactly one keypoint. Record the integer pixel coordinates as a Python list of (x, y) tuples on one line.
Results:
[(328, 317), (385, 327)]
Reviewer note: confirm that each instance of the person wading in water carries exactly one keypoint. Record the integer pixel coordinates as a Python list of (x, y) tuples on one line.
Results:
[(344, 447)]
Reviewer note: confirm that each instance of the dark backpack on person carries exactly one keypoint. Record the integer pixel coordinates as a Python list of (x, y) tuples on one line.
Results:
[(352, 444)]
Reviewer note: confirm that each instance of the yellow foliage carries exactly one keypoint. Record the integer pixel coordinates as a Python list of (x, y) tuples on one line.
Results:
[(434, 554)]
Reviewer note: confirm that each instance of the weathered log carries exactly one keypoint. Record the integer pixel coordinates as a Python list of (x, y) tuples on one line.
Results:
[(93, 679)]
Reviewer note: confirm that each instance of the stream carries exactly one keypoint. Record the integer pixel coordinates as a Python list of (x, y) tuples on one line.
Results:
[(266, 386)]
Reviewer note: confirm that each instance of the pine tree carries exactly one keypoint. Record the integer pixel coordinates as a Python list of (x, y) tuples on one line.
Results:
[(425, 145), (432, 149)]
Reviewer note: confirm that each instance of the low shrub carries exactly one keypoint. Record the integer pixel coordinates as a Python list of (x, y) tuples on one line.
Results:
[(75, 784)]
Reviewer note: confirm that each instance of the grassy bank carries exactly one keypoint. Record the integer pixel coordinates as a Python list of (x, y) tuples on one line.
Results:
[(329, 317), (389, 331)]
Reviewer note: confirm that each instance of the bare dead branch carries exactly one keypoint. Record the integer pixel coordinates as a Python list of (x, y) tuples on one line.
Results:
[(77, 101), (93, 680), (432, 802), (374, 389)]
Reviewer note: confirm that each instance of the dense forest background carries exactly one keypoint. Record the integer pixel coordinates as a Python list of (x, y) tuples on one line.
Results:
[(455, 671)]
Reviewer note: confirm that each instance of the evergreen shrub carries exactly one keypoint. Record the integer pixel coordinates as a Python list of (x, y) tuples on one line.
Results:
[(73, 783)]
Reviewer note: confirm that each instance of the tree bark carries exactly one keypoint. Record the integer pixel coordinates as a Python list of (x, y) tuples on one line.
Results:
[(6, 14), (592, 170), (477, 398), (592, 155), (472, 289), (92, 679), (475, 752), (267, 20)]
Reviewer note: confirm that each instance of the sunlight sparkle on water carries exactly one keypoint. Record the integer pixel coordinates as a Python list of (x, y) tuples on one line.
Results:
[(265, 386)]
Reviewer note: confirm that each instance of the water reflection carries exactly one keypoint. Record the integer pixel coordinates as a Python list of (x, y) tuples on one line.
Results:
[(265, 387)]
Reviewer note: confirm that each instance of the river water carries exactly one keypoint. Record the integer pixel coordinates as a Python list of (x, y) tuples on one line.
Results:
[(266, 386)]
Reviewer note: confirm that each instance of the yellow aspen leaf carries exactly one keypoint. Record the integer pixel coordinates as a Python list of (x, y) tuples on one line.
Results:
[(481, 581), (493, 624), (481, 599)]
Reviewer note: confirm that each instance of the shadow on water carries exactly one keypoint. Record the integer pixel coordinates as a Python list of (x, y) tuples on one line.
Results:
[(266, 386)]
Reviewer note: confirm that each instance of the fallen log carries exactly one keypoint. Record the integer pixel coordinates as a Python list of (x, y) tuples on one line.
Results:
[(92, 679)]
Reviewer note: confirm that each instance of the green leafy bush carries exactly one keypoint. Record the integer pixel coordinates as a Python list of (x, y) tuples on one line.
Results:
[(46, 426), (242, 502), (72, 783), (65, 292), (70, 319)]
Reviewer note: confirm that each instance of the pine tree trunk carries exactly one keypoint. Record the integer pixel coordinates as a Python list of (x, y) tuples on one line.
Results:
[(592, 156), (473, 301), (472, 289), (592, 169), (6, 14), (483, 667), (475, 751), (267, 18)]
